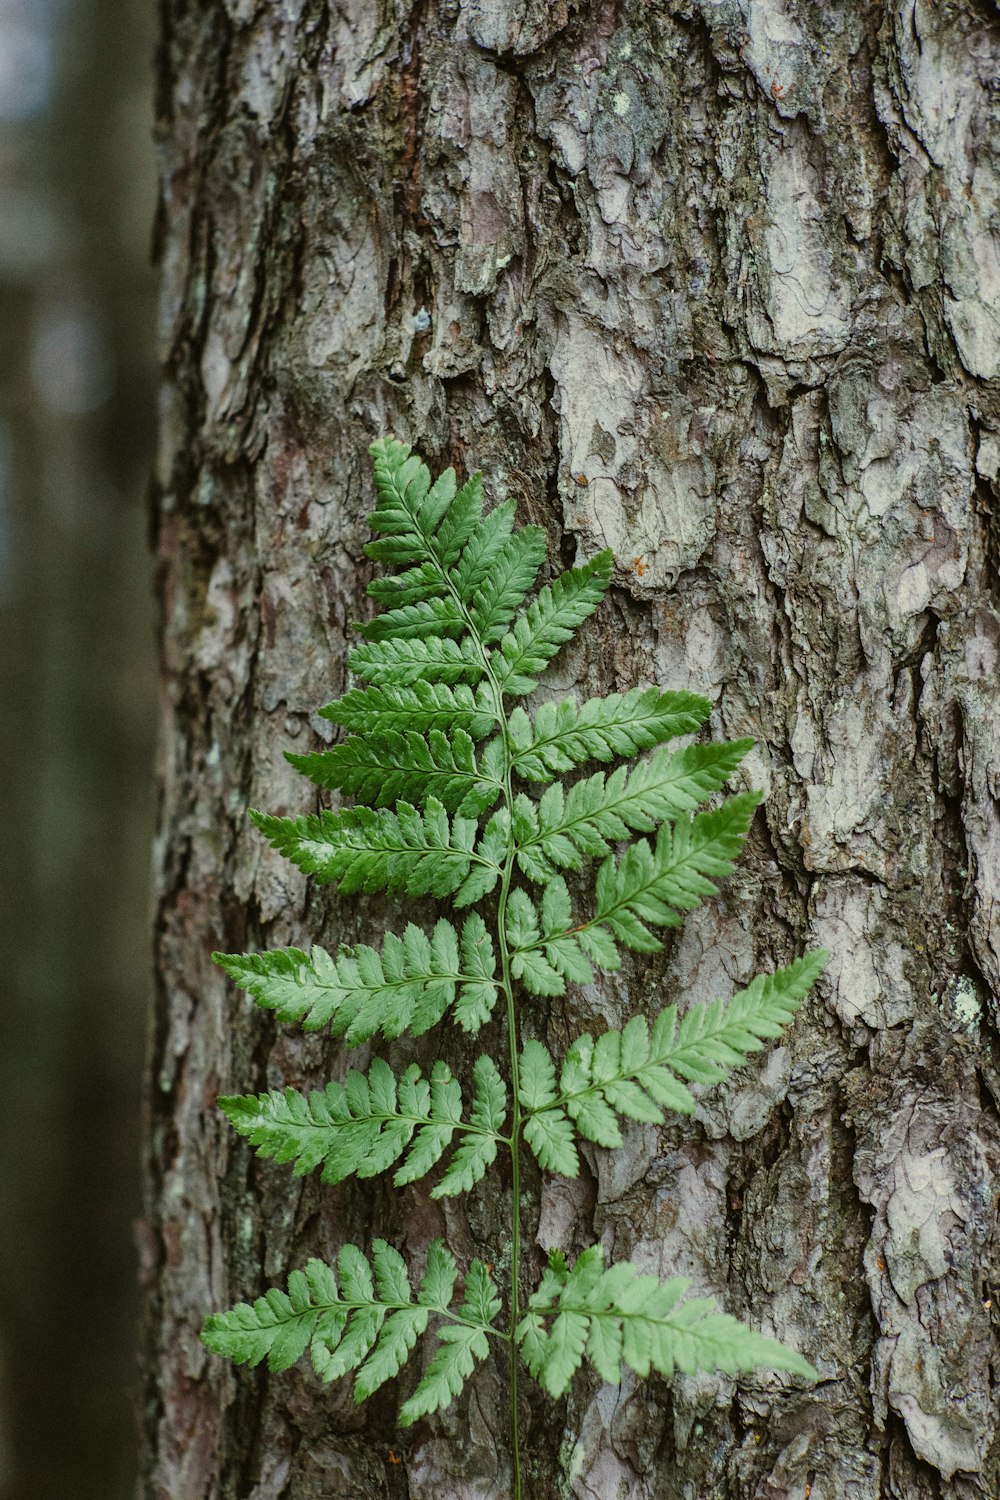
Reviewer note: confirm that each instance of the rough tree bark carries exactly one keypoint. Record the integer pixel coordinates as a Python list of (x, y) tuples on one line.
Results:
[(713, 284)]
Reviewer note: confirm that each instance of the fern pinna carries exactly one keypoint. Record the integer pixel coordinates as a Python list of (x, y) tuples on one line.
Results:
[(444, 772)]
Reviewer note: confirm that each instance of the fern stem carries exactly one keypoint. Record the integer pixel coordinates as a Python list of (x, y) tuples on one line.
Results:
[(515, 1087), (502, 944), (515, 1179)]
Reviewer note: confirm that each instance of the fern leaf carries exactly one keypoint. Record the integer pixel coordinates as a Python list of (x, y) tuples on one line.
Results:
[(709, 1039), (595, 943), (620, 1316), (419, 708), (529, 962), (547, 1128), (421, 853), (537, 974), (420, 519), (651, 886), (550, 1136), (547, 946), (409, 507), (410, 511), (462, 1344), (481, 1303), (564, 734), (522, 927), (369, 1322), (491, 852), (478, 994), (278, 1327), (411, 767), (396, 663), (468, 1166), (437, 1285), (537, 1090), (511, 576), (407, 987), (342, 1327), (443, 1104), (399, 1331), (362, 1126), (548, 623), (427, 755), (395, 1342), (482, 549), (461, 521), (460, 1348), (417, 621), (425, 581), (337, 1352), (486, 1116), (633, 1074), (567, 827)]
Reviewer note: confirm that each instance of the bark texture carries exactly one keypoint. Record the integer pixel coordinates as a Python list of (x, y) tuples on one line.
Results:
[(714, 284)]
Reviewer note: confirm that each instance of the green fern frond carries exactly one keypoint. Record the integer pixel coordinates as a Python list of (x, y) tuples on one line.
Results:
[(421, 707), (566, 734), (461, 522), (432, 755), (648, 887), (651, 886), (409, 507), (486, 1121), (493, 568), (634, 1074), (482, 550), (491, 852), (412, 622), (547, 949), (409, 986), (709, 1039), (511, 576), (565, 828), (396, 663), (361, 1127), (343, 1325), (461, 1346), (478, 991), (619, 1316), (368, 1323), (549, 623), (423, 582), (547, 1128), (422, 853), (410, 767)]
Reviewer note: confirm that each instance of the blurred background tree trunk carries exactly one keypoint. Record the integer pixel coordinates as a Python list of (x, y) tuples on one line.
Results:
[(77, 708), (715, 286)]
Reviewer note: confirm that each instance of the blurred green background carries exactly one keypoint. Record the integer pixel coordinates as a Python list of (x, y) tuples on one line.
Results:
[(77, 687)]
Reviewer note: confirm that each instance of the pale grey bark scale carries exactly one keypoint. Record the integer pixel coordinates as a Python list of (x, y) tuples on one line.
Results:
[(715, 285)]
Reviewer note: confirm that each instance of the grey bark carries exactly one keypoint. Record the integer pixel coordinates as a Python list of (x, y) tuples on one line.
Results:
[(715, 285)]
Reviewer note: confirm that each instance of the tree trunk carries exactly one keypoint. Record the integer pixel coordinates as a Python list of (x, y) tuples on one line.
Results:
[(714, 286)]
